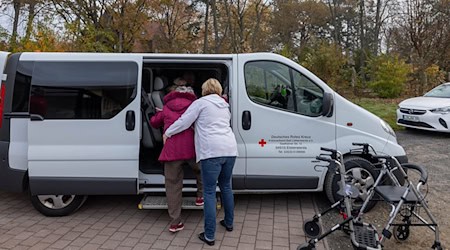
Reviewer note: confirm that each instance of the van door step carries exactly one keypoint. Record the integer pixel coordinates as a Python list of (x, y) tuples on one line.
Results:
[(160, 202)]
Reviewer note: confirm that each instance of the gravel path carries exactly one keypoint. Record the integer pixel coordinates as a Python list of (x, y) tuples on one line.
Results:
[(431, 150)]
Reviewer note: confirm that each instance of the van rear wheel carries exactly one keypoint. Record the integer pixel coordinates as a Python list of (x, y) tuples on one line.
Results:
[(366, 176), (57, 205)]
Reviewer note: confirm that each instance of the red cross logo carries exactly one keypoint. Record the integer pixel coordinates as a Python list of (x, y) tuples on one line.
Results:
[(262, 143)]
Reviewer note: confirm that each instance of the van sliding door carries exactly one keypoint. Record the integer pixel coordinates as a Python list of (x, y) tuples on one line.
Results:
[(83, 131)]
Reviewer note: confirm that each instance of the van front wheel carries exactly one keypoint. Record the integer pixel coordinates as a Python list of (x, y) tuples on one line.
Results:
[(57, 205), (365, 175)]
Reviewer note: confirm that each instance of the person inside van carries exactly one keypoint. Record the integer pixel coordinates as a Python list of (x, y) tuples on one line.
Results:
[(177, 151), (216, 150), (281, 95), (189, 77)]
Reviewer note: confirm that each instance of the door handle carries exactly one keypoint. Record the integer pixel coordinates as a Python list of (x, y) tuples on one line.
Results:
[(130, 120), (246, 120)]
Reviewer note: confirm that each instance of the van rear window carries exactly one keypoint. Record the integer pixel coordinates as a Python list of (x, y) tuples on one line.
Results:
[(22, 86), (82, 90)]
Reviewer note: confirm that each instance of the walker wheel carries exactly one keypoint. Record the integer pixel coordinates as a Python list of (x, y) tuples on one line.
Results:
[(401, 233), (306, 246), (312, 229)]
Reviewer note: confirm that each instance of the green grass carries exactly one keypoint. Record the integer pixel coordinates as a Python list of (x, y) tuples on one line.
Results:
[(383, 108)]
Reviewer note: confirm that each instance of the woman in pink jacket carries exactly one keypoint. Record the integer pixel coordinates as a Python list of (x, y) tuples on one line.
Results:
[(177, 151)]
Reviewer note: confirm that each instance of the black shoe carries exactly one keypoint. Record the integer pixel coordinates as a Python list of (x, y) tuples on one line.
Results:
[(201, 236), (229, 229)]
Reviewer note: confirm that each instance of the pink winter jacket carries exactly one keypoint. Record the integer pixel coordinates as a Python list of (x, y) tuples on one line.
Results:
[(181, 146)]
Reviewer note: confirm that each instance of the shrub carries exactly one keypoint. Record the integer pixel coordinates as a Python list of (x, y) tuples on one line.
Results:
[(387, 75)]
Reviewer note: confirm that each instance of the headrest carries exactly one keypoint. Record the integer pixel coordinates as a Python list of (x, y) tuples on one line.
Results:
[(160, 83)]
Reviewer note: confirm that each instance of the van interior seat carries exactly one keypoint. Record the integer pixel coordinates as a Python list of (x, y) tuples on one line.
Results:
[(157, 94), (153, 136)]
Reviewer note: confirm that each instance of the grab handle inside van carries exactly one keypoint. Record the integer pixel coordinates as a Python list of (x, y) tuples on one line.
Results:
[(36, 117)]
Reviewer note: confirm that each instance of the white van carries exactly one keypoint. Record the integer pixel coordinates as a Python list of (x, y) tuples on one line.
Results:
[(76, 124)]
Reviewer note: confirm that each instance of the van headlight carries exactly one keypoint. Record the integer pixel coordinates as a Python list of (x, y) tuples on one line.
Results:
[(444, 110), (386, 127)]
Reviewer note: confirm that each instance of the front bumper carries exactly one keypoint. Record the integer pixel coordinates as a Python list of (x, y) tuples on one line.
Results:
[(428, 121)]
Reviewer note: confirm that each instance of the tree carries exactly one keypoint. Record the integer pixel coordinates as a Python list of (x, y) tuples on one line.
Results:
[(388, 75), (179, 25), (295, 24), (45, 39), (424, 28), (329, 63)]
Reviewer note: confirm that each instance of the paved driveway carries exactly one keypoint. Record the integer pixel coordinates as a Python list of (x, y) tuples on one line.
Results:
[(114, 222)]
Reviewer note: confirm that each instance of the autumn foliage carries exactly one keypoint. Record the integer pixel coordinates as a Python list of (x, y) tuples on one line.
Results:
[(367, 47)]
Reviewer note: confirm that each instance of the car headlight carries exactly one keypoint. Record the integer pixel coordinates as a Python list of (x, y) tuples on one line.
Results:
[(387, 128), (444, 110)]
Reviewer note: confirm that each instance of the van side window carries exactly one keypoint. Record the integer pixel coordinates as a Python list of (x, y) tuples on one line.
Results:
[(82, 90), (309, 96), (277, 85)]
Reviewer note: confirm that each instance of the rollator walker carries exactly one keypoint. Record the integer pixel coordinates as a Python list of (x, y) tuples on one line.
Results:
[(406, 200), (362, 235)]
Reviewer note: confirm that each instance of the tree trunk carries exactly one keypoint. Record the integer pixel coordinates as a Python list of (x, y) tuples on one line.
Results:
[(31, 13), (241, 25), (362, 57), (216, 28), (332, 7), (17, 4), (205, 39), (230, 25), (377, 27), (121, 31), (258, 13)]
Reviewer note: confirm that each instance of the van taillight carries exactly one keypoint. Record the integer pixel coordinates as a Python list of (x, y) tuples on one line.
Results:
[(2, 102)]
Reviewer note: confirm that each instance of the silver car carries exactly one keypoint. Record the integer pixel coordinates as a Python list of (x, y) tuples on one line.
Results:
[(428, 112)]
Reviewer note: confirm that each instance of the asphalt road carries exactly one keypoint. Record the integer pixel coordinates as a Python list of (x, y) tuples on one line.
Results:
[(431, 150)]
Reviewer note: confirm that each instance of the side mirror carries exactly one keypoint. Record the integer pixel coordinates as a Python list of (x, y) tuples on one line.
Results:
[(328, 103)]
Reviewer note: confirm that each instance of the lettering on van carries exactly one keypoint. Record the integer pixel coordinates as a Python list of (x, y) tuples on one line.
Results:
[(290, 144)]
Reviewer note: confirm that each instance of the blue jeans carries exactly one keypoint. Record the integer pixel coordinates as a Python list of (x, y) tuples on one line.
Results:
[(217, 171)]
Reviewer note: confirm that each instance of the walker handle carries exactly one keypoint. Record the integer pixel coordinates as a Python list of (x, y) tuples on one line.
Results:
[(423, 171), (334, 152), (329, 150), (320, 158)]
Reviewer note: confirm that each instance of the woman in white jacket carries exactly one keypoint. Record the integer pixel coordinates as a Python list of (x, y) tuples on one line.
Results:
[(216, 150)]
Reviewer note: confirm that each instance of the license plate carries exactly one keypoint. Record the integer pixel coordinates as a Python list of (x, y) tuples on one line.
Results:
[(411, 118)]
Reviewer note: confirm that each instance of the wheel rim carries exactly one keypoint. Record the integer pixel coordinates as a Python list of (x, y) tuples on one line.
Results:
[(401, 233), (56, 201), (362, 180), (312, 229)]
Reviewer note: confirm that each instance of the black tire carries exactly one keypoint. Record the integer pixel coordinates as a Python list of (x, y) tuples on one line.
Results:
[(401, 233), (439, 248), (306, 246), (57, 205), (352, 162), (312, 229)]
